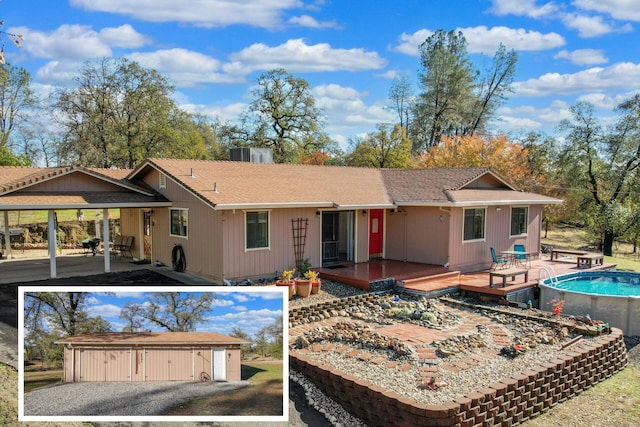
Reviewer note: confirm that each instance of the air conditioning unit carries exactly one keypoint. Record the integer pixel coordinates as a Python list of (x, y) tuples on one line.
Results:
[(253, 155)]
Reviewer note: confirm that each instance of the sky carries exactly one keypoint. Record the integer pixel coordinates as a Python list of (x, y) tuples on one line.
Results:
[(248, 309), (349, 51)]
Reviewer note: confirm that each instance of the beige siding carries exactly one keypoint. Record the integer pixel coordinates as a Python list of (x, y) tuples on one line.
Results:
[(169, 364), (131, 225), (476, 255), (361, 236), (137, 364), (416, 234), (147, 364), (99, 364), (74, 182), (203, 245), (280, 255), (233, 364)]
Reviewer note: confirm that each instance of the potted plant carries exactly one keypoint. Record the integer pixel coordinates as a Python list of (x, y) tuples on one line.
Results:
[(287, 280), (303, 285), (314, 279)]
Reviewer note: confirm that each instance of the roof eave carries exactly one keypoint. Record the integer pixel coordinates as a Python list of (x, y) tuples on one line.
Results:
[(32, 207)]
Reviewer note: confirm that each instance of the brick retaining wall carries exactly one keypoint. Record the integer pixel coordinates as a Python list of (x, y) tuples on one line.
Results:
[(510, 401)]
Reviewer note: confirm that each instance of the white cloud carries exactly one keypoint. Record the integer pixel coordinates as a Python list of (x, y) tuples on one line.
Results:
[(296, 56), (481, 39), (522, 8), (186, 68), (203, 13), (619, 9), (583, 56), (105, 310), (66, 42), (311, 22), (618, 76), (591, 26), (123, 36)]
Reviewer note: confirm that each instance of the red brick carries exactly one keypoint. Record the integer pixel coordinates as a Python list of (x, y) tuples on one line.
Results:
[(378, 360), (405, 367), (392, 364)]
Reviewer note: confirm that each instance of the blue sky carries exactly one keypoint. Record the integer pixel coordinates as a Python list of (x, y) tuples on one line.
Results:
[(349, 51), (248, 309)]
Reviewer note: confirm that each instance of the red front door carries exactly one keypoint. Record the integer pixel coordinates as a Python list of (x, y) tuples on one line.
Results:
[(375, 232)]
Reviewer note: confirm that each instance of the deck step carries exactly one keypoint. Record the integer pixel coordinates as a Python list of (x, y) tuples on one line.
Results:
[(448, 276)]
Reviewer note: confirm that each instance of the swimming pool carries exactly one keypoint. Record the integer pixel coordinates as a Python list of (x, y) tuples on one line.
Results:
[(611, 296)]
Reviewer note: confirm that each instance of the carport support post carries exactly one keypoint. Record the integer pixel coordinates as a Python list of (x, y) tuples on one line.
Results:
[(7, 237), (52, 243), (105, 239)]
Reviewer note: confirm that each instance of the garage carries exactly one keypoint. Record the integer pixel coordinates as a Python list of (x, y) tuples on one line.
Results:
[(151, 356)]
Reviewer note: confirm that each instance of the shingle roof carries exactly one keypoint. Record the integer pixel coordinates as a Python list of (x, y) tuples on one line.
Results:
[(151, 338), (19, 189), (241, 184)]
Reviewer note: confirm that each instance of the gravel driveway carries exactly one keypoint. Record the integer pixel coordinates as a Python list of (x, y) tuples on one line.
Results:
[(118, 398)]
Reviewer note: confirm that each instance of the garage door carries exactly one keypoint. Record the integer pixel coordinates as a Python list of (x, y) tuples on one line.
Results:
[(169, 364), (109, 364)]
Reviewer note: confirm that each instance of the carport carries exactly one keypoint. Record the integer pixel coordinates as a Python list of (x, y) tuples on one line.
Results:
[(151, 356), (74, 188)]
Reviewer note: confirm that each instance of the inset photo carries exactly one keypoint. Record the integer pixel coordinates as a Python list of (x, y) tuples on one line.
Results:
[(153, 354)]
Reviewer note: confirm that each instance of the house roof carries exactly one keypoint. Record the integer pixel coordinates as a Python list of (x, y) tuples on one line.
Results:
[(151, 338), (34, 188), (242, 185)]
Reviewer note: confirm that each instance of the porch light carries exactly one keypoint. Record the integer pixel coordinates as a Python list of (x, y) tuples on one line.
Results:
[(364, 212), (318, 214)]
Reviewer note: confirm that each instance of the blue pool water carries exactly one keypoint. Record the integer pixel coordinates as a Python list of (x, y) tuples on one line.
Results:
[(601, 283)]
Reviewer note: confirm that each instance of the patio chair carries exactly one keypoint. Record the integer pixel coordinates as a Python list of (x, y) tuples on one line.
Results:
[(498, 261), (521, 260)]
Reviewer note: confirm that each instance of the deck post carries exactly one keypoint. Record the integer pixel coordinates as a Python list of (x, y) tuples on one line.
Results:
[(105, 240), (52, 242)]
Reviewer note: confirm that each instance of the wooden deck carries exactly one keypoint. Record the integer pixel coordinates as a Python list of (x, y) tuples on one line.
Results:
[(434, 280)]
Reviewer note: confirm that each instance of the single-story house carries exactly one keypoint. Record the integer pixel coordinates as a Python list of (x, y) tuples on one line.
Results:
[(151, 356), (236, 220)]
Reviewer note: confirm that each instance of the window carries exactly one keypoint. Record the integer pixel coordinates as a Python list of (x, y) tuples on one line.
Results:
[(257, 229), (519, 221), (179, 222), (163, 180), (474, 224)]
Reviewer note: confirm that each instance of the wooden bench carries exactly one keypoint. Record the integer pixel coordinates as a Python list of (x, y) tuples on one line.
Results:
[(509, 272), (588, 260), (556, 252)]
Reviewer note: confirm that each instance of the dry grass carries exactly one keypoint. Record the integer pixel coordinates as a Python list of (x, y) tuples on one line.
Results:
[(263, 397)]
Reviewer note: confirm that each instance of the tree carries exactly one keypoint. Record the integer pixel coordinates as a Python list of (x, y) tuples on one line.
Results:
[(16, 100), (173, 311), (119, 114), (601, 167), (284, 117), (386, 148), (15, 38), (507, 158), (64, 311), (401, 97), (239, 333), (446, 82), (455, 99)]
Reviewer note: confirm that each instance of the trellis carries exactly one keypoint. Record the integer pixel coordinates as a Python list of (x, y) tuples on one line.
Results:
[(299, 228)]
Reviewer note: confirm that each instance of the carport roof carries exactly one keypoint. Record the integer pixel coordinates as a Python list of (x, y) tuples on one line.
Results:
[(151, 338), (46, 188)]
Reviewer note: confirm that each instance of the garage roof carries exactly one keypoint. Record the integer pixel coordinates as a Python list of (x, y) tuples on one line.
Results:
[(154, 338)]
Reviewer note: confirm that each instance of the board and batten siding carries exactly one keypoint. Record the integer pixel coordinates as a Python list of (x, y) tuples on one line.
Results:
[(203, 247), (73, 182), (418, 235), (240, 262), (476, 255), (145, 363)]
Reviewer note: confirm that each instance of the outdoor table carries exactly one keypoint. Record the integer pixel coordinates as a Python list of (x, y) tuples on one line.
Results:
[(515, 257)]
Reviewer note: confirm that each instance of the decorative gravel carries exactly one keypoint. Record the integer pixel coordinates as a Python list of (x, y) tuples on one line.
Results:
[(118, 398), (328, 292)]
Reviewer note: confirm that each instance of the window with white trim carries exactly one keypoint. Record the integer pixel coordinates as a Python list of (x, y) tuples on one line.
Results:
[(179, 222), (256, 229), (162, 180), (519, 220), (474, 224)]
